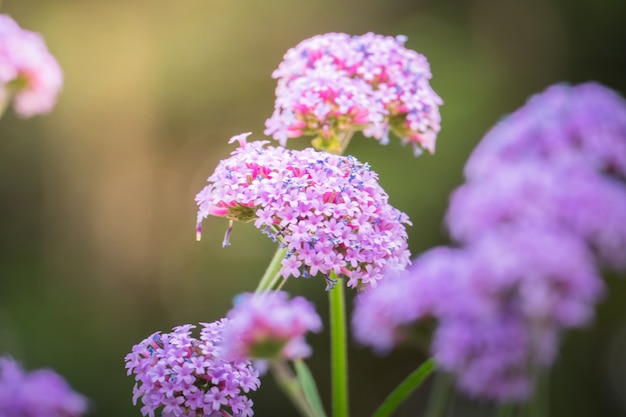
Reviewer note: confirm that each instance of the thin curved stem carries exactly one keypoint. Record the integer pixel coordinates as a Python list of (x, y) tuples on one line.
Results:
[(272, 273), (440, 396), (291, 387), (406, 387)]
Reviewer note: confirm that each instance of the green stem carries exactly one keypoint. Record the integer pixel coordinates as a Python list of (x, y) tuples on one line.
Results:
[(538, 404), (309, 388), (344, 141), (440, 394), (272, 273), (505, 410), (5, 96), (406, 387), (338, 349), (291, 387)]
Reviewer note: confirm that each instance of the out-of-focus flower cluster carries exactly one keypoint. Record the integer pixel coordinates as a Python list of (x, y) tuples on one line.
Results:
[(29, 74), (332, 85), (39, 393), (544, 205), (558, 162), (269, 325), (190, 377), (327, 211)]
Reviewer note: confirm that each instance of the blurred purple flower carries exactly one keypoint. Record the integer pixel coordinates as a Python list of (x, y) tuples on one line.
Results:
[(543, 205), (327, 211), (500, 305), (29, 74), (334, 84), (592, 207), (582, 125), (190, 377), (269, 325), (39, 393)]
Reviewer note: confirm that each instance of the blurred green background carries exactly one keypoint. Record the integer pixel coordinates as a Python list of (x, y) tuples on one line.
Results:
[(97, 216)]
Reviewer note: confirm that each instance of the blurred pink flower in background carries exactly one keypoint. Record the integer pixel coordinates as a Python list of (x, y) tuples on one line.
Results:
[(270, 325), (29, 74)]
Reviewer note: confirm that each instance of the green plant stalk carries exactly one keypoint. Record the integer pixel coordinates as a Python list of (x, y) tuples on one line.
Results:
[(338, 349), (272, 273), (538, 406), (406, 387), (291, 387), (4, 101), (505, 410), (309, 388), (440, 396)]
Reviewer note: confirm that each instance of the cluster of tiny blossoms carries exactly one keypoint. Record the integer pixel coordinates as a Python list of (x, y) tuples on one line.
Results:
[(28, 72), (581, 126), (269, 325), (334, 84), (544, 204), (190, 377), (561, 162), (327, 211), (39, 393)]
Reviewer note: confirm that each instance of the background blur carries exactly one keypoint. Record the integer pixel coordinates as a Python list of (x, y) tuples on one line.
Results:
[(97, 212)]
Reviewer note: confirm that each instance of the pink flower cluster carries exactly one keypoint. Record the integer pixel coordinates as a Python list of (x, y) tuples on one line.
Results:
[(334, 84), (190, 377), (28, 72), (327, 211), (38, 393), (269, 325)]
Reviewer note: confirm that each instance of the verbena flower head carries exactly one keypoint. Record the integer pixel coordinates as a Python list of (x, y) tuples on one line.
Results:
[(190, 377), (332, 85), (28, 72), (327, 211), (37, 393), (582, 125), (592, 207), (500, 305), (270, 325)]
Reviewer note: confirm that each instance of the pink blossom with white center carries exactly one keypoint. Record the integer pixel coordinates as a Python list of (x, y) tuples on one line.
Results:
[(327, 211), (184, 375), (332, 85), (269, 326), (29, 74)]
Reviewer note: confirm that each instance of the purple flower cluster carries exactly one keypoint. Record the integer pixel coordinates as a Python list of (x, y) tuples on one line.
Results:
[(28, 72), (560, 162), (334, 84), (327, 211), (39, 393), (543, 206), (581, 126), (500, 306), (190, 377), (589, 206), (269, 325)]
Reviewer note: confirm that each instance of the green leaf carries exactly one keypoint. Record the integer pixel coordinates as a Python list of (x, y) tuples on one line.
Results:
[(406, 387), (310, 389)]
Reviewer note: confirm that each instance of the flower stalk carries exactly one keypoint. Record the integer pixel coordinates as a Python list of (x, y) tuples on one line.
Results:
[(338, 350)]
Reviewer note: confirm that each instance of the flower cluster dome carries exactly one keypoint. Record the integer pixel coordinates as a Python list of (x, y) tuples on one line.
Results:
[(332, 85), (188, 377), (327, 211)]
